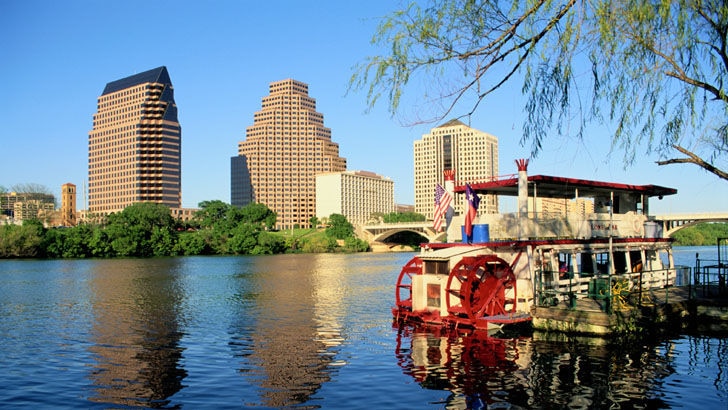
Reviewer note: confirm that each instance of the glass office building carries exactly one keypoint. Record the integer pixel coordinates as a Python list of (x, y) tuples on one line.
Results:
[(134, 148)]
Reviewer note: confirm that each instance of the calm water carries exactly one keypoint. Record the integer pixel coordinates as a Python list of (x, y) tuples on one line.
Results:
[(303, 331)]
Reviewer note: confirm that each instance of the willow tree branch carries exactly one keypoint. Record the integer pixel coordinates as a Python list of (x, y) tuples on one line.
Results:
[(694, 159)]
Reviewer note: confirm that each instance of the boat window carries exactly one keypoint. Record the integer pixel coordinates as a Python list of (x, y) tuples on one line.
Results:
[(602, 263), (433, 295), (620, 262), (585, 264), (635, 258), (564, 262), (436, 268)]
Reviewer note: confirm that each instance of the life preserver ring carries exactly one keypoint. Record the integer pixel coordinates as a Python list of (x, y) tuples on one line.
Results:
[(637, 226)]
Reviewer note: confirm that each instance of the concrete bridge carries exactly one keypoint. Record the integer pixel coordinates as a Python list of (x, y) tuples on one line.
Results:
[(381, 231), (670, 223)]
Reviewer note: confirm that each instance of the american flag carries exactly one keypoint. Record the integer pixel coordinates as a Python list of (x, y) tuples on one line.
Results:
[(443, 199)]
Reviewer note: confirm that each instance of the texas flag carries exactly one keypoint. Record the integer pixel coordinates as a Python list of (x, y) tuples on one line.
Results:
[(473, 203)]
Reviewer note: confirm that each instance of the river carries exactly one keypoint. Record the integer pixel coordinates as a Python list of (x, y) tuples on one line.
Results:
[(304, 331)]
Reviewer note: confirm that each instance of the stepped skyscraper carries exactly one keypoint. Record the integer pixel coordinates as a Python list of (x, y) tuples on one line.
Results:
[(285, 148), (134, 148)]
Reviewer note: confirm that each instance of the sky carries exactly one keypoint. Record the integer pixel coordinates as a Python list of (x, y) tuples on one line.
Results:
[(57, 56)]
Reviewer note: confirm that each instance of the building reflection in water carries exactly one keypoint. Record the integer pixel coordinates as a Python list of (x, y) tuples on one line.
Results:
[(136, 332), (288, 327), (541, 370)]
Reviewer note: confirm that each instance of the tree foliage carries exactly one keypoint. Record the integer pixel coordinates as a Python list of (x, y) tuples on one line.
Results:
[(143, 229), (654, 70), (148, 230), (339, 227), (701, 234), (394, 217), (23, 241)]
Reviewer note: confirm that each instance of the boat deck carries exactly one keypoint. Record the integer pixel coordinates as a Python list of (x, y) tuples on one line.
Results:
[(667, 306)]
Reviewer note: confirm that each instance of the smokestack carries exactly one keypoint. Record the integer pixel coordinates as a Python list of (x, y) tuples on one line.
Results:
[(450, 188), (450, 181), (522, 196)]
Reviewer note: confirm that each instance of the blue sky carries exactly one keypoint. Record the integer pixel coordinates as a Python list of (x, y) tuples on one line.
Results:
[(56, 58)]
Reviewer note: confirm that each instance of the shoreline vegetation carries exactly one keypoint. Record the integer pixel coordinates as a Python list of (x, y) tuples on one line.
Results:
[(148, 230)]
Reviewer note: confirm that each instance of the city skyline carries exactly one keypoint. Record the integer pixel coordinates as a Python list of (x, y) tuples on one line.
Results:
[(59, 56)]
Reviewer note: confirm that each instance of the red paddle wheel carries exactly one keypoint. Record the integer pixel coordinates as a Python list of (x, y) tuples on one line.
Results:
[(476, 292), (403, 291)]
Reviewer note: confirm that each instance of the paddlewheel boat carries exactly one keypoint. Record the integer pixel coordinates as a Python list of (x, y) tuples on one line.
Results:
[(605, 250)]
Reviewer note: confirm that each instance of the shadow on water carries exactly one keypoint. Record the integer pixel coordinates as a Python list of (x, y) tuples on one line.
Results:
[(136, 332)]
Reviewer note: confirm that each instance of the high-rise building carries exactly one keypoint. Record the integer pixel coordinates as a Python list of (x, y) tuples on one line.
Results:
[(21, 206), (241, 191), (355, 194), (553, 207), (471, 153), (68, 204), (285, 148), (134, 148)]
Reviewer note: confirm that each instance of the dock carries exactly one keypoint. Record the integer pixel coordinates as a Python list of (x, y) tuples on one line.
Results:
[(704, 308)]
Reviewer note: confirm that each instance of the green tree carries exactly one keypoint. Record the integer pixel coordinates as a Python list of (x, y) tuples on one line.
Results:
[(192, 243), (213, 214), (654, 70), (142, 229), (67, 242), (243, 238), (268, 244), (394, 217), (318, 244), (701, 234), (354, 244), (339, 227), (99, 244), (259, 214), (22, 241)]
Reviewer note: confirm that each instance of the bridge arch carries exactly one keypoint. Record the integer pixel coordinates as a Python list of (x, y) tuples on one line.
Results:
[(669, 227), (382, 231)]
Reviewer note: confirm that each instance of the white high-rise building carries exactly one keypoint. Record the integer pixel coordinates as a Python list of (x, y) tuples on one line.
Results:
[(355, 194), (473, 154)]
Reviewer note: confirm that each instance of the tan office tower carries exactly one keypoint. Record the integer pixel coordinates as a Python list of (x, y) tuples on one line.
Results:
[(473, 154), (285, 148), (134, 147), (68, 204)]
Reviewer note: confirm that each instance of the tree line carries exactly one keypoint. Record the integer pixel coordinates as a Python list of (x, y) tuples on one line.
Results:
[(703, 234), (148, 230)]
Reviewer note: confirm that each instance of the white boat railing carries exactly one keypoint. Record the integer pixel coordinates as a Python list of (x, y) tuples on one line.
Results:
[(636, 288)]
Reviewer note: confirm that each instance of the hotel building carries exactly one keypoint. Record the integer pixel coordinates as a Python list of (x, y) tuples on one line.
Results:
[(473, 154), (285, 148), (134, 147), (354, 194), (554, 207)]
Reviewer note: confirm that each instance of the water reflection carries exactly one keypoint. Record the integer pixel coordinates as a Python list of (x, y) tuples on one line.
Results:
[(473, 367), (136, 334), (538, 371), (288, 327)]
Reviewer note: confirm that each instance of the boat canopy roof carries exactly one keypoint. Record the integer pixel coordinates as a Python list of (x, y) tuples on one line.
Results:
[(561, 187)]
